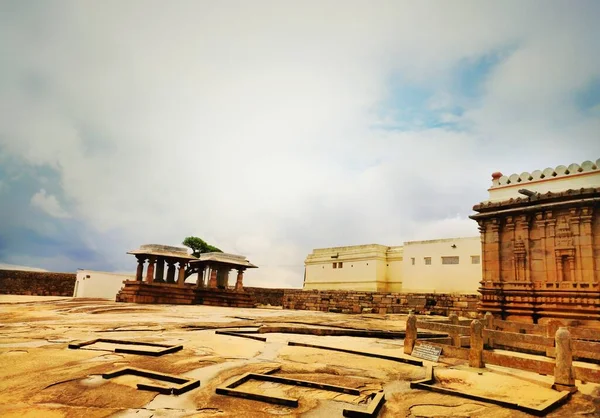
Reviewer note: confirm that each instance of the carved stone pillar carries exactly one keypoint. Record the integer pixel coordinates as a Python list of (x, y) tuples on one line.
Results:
[(150, 270), (541, 226), (551, 261), (559, 269), (181, 276), (523, 228), (170, 271), (493, 243), (574, 224), (160, 270), (139, 274), (239, 284), (484, 252), (509, 275), (586, 246)]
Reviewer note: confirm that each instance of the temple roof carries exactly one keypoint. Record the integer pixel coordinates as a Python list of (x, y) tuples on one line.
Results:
[(224, 258), (163, 251)]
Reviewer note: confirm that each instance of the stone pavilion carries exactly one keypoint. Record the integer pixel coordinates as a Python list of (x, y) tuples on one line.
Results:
[(170, 275)]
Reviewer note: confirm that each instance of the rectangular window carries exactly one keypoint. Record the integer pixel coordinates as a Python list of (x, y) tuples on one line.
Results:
[(427, 261), (412, 260), (334, 265), (475, 259), (450, 260), (340, 265)]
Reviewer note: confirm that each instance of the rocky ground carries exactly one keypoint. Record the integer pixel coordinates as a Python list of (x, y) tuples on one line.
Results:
[(41, 376)]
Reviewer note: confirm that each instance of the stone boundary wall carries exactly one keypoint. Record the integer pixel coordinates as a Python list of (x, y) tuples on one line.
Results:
[(16, 282), (381, 302), (367, 302), (268, 296)]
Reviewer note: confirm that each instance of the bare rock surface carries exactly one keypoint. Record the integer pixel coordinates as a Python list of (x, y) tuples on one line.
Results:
[(41, 376)]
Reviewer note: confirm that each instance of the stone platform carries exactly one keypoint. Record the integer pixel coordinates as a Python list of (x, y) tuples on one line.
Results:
[(166, 293)]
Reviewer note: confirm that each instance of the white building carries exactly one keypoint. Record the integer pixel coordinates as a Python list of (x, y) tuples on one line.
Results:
[(99, 284), (444, 266)]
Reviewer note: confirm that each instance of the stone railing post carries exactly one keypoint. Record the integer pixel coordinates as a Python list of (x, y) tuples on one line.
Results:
[(489, 324), (551, 328), (563, 369), (411, 333), (476, 351), (454, 335)]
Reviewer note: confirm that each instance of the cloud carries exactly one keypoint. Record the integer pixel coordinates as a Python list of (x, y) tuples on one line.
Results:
[(270, 129), (49, 204)]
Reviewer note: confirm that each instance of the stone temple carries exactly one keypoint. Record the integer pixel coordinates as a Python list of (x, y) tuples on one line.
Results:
[(540, 235)]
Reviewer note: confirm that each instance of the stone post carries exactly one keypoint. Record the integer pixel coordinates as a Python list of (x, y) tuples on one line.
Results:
[(551, 328), (489, 324), (170, 271), (139, 274), (454, 335), (239, 284), (212, 282), (150, 270), (563, 369), (476, 351), (411, 333), (160, 270), (181, 277)]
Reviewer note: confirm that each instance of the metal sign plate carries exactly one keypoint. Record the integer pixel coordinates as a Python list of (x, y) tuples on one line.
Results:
[(427, 352)]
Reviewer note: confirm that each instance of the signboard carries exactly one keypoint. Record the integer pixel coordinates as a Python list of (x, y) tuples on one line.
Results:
[(427, 352)]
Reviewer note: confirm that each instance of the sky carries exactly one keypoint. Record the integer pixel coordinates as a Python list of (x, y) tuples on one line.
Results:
[(270, 128)]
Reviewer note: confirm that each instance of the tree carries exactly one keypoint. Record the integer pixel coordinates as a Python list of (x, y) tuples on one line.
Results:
[(199, 246)]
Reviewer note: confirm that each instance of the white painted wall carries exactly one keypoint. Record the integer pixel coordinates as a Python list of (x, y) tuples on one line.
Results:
[(364, 268), (99, 284), (378, 268), (437, 277)]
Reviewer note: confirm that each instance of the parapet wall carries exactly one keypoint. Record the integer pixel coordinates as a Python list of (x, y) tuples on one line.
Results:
[(368, 302), (16, 282), (559, 179), (549, 173)]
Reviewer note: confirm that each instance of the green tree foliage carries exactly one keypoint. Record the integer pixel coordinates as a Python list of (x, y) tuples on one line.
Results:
[(199, 246)]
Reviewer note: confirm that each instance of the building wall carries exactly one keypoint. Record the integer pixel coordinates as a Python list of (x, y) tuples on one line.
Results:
[(99, 284), (378, 268), (363, 267), (394, 257), (463, 277), (18, 282)]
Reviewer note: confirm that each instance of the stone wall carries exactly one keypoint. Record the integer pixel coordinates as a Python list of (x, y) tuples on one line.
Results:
[(266, 296), (16, 282), (368, 302), (380, 302)]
